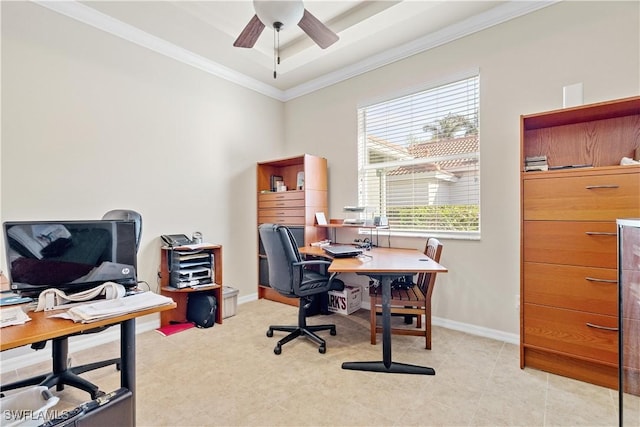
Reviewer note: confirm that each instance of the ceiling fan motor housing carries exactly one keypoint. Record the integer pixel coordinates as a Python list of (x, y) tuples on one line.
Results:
[(285, 13)]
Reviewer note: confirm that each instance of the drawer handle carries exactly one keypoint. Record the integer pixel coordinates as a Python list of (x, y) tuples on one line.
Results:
[(593, 187), (606, 328), (599, 233), (279, 197), (281, 204), (593, 279)]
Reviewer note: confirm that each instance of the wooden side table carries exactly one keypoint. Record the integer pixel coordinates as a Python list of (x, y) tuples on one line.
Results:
[(181, 296)]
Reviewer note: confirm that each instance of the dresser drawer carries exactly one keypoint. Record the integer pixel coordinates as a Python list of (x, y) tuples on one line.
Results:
[(287, 196), (276, 203), (281, 219), (591, 244), (583, 198), (593, 290), (569, 332), (281, 212), (279, 204)]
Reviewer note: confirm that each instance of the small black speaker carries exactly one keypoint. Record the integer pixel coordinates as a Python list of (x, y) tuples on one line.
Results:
[(201, 309)]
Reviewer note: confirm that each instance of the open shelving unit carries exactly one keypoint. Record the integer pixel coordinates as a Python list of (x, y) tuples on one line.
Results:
[(296, 207), (168, 263)]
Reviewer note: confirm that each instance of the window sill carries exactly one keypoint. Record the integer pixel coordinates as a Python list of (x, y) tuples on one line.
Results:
[(461, 235)]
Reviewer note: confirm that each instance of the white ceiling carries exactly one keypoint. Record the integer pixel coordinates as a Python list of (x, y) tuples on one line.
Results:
[(372, 33)]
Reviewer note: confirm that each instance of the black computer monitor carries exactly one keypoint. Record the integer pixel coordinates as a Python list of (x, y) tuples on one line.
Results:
[(69, 255)]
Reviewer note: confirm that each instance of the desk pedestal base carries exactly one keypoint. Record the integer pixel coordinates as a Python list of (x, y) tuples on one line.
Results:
[(387, 365), (394, 368)]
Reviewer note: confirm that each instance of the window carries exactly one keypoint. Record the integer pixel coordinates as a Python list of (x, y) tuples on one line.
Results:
[(418, 161)]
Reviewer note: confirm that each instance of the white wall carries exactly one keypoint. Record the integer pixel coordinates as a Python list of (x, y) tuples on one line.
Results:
[(91, 122), (523, 66)]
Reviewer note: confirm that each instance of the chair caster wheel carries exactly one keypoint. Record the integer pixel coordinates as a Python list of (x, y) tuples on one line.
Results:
[(277, 350), (333, 332), (322, 349), (270, 334)]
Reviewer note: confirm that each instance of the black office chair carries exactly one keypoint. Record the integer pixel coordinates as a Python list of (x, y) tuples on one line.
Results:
[(288, 274), (62, 374)]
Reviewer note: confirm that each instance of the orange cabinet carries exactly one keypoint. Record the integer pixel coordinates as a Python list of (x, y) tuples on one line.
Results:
[(569, 280), (181, 295), (305, 178)]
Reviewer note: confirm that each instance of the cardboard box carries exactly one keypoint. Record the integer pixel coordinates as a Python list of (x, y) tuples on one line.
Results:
[(230, 304), (346, 301)]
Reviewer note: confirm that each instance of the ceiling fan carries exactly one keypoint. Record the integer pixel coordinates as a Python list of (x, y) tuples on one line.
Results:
[(280, 15)]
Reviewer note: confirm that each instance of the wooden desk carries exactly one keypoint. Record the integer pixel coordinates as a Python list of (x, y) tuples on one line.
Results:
[(43, 328), (384, 265)]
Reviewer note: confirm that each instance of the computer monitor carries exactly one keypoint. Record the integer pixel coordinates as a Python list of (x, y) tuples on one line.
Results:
[(69, 255)]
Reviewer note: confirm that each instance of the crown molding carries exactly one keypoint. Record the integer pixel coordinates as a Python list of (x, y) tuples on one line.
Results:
[(498, 15), (101, 21)]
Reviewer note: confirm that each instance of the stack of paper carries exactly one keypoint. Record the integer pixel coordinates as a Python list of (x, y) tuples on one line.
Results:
[(536, 163), (13, 316), (104, 309)]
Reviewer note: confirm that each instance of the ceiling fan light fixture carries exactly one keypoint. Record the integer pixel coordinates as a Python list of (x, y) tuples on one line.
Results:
[(287, 13), (280, 14)]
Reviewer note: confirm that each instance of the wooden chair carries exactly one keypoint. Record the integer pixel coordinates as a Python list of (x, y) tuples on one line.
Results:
[(412, 302)]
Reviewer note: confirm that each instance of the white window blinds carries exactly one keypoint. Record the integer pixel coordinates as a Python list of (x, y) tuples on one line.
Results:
[(419, 160)]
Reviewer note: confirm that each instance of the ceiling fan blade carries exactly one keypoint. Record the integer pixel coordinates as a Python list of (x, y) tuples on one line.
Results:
[(249, 36), (319, 33)]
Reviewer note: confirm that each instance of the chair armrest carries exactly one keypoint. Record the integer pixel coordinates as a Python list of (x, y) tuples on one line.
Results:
[(311, 262), (299, 266)]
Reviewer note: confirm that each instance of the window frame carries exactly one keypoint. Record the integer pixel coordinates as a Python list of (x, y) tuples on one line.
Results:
[(473, 159)]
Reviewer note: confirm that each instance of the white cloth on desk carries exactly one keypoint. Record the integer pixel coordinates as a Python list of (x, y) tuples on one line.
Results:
[(54, 299)]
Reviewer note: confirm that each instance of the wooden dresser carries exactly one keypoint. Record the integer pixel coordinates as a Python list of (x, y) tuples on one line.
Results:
[(296, 207), (569, 313)]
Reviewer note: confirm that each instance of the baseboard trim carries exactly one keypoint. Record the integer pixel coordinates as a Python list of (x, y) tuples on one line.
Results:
[(442, 322), (476, 330)]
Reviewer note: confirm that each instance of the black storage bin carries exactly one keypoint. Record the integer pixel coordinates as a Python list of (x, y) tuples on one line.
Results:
[(201, 309)]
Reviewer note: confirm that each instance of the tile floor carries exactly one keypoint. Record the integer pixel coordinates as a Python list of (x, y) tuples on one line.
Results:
[(229, 376)]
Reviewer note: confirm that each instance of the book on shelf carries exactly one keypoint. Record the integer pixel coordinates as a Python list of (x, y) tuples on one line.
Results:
[(541, 158), (533, 168), (586, 165), (536, 163)]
